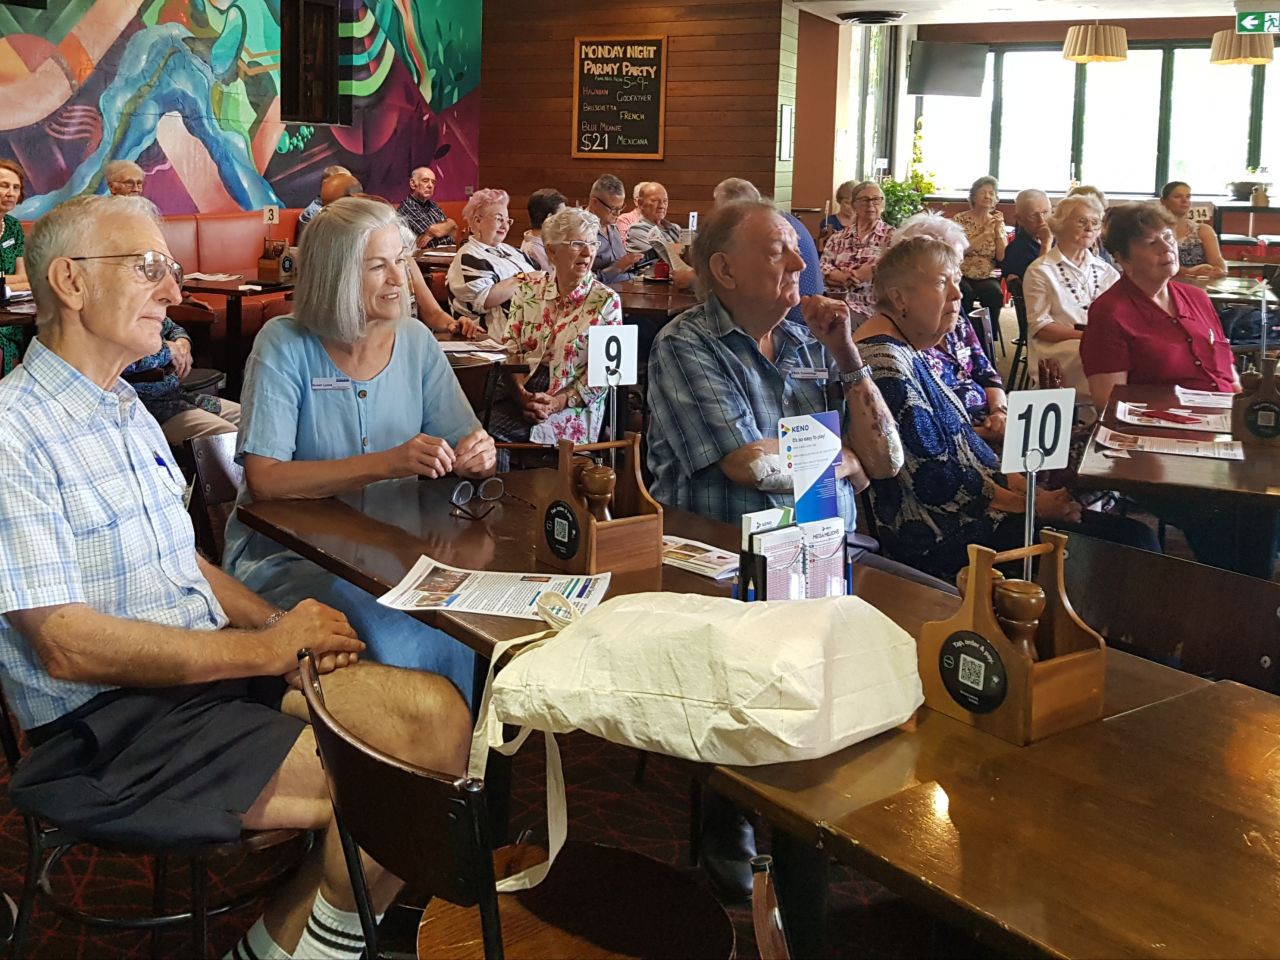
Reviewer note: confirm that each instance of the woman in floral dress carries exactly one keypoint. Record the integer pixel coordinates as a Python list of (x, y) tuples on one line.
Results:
[(548, 322)]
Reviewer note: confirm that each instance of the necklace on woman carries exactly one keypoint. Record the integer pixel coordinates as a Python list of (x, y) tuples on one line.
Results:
[(903, 336), (1076, 293)]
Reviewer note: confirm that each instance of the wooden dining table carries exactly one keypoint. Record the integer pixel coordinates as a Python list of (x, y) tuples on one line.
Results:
[(1062, 848), (1248, 490), (235, 349), (651, 300)]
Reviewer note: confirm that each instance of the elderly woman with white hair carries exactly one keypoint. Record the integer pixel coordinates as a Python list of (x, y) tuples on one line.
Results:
[(959, 360), (550, 315), (483, 276), (1059, 288), (346, 391), (950, 492)]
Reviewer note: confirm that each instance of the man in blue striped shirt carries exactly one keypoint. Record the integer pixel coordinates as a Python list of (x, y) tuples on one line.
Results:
[(151, 685)]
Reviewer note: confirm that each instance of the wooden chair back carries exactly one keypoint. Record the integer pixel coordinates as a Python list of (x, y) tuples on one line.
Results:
[(1200, 619), (429, 829), (213, 496), (479, 381)]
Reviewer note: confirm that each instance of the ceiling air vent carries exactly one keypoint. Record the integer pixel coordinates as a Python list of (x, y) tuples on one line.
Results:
[(872, 18)]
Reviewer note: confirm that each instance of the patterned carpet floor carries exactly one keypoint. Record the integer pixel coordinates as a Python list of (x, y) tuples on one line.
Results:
[(605, 805)]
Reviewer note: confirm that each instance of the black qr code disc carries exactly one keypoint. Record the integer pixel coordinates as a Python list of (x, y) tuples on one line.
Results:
[(561, 528), (972, 672), (1263, 420)]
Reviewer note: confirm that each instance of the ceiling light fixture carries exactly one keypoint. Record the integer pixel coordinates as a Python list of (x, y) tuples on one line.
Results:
[(1250, 48), (1096, 43)]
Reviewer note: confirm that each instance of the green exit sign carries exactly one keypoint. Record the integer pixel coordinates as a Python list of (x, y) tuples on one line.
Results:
[(1259, 22)]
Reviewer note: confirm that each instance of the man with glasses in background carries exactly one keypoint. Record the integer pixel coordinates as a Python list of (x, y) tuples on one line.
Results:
[(1032, 238), (423, 215), (613, 263), (124, 178)]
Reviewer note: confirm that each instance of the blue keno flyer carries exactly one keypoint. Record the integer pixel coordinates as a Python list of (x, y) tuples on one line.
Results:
[(810, 448)]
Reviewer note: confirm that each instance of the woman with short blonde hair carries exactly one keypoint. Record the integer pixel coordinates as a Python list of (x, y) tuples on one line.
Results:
[(983, 224), (346, 391), (1060, 287)]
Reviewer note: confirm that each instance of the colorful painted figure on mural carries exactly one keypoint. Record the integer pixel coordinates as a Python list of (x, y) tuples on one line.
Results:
[(163, 71)]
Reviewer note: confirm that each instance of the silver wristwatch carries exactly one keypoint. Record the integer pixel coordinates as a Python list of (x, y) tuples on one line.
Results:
[(854, 376)]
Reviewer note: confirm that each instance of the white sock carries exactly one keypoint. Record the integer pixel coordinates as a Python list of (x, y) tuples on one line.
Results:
[(257, 945), (330, 933)]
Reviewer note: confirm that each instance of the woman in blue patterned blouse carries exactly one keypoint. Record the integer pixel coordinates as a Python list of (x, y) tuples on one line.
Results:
[(950, 492)]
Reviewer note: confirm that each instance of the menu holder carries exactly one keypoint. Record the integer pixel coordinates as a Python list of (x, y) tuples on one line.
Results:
[(596, 519), (1255, 411), (1049, 677)]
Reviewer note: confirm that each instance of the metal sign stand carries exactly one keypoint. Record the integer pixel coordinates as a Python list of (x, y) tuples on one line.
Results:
[(615, 376), (1029, 518)]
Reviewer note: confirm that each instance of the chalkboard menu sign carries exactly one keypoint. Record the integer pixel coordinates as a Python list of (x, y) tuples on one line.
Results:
[(618, 104)]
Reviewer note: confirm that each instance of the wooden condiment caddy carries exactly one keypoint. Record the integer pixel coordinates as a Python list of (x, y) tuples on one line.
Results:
[(595, 519), (276, 263), (1255, 411), (1050, 680)]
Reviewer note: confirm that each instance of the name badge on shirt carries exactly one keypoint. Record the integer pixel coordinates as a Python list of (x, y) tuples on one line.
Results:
[(810, 373), (330, 383), (8, 243)]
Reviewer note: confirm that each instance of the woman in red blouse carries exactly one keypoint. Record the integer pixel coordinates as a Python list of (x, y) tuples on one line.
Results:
[(1147, 329)]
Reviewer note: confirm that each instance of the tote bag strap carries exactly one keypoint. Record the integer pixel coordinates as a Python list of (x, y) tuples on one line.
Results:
[(487, 735)]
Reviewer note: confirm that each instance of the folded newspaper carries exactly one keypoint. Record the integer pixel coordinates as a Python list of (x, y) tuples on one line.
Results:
[(697, 557), (432, 585)]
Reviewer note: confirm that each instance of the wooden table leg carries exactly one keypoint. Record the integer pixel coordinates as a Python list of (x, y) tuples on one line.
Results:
[(1255, 541), (802, 873), (233, 348)]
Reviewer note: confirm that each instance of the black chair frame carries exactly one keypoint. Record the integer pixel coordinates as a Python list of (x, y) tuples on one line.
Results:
[(47, 844)]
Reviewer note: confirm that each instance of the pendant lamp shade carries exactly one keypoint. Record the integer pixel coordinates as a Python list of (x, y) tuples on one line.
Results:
[(1096, 43), (1250, 48)]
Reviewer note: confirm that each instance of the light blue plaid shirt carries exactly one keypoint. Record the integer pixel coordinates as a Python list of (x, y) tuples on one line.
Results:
[(90, 512), (712, 391)]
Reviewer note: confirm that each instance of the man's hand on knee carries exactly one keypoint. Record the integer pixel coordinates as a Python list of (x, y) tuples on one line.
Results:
[(313, 625)]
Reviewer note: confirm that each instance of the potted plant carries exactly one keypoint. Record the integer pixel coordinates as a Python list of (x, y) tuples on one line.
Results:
[(902, 198)]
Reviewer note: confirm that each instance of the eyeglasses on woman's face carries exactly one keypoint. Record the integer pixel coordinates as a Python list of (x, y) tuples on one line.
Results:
[(578, 246), (150, 264), (877, 201), (498, 218), (1088, 223)]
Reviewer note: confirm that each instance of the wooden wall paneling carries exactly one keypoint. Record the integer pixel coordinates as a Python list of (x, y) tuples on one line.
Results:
[(817, 103), (1170, 28), (728, 66)]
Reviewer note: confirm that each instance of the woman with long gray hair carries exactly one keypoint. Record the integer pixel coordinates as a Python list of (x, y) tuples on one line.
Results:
[(346, 391)]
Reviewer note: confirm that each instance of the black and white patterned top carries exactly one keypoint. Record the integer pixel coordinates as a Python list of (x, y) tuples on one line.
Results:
[(420, 214), (474, 271)]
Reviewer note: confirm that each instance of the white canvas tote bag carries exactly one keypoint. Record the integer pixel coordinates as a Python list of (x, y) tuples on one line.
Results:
[(704, 678)]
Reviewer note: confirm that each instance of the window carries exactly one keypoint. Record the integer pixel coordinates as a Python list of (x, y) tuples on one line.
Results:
[(1122, 123), (955, 136), (1209, 122), (1035, 119), (1165, 113)]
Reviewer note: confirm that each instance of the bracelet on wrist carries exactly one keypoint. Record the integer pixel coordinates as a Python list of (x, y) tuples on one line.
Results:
[(272, 620)]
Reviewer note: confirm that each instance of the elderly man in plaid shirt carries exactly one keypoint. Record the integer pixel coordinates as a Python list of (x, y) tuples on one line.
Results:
[(721, 375), (154, 688)]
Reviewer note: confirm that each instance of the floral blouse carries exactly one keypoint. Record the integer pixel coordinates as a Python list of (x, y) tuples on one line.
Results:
[(961, 364), (545, 327), (940, 501), (846, 251), (980, 259)]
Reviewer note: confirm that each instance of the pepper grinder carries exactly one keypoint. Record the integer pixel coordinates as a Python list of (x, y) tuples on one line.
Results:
[(597, 483), (1019, 605)]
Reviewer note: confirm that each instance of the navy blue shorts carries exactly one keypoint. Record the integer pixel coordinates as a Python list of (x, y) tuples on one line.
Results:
[(164, 766)]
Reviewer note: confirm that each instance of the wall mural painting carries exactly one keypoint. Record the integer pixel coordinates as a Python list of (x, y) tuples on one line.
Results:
[(190, 90)]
